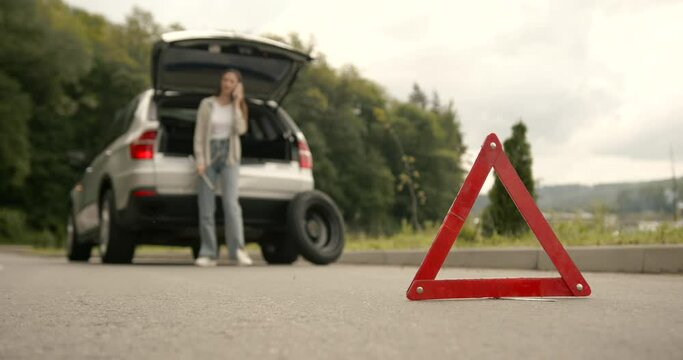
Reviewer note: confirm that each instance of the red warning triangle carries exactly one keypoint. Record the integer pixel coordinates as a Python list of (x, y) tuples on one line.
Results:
[(424, 285)]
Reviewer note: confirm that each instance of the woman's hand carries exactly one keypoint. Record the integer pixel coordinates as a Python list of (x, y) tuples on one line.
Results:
[(238, 94), (201, 168)]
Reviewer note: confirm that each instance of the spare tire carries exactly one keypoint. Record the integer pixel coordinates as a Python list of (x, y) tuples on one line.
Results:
[(315, 224)]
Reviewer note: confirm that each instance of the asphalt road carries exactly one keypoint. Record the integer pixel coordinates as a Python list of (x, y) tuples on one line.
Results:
[(52, 309)]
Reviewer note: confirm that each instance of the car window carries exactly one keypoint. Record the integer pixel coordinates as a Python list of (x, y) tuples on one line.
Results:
[(121, 122), (194, 66), (128, 115)]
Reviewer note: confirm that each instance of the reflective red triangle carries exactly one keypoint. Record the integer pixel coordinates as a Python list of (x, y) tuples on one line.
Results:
[(424, 285)]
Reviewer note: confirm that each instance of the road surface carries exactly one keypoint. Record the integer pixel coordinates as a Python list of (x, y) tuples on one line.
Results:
[(50, 308)]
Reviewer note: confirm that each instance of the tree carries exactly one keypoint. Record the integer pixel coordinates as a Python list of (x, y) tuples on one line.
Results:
[(418, 97), (43, 53), (502, 216), (409, 176), (15, 110), (435, 103), (63, 74), (433, 146)]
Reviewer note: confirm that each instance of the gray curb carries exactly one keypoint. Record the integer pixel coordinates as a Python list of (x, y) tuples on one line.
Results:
[(623, 258), (652, 259)]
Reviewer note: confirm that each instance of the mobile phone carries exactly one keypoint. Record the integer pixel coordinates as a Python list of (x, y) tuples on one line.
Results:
[(238, 88)]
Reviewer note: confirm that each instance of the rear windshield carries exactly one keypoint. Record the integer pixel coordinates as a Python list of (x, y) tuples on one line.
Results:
[(192, 65)]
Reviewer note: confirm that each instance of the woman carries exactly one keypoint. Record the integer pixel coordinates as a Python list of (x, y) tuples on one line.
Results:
[(221, 119)]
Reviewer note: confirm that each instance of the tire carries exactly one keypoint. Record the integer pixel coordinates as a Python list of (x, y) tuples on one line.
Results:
[(276, 248), (75, 250), (117, 246), (315, 224)]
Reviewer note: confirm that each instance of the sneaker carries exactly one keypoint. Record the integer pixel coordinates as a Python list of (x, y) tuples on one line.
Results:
[(243, 258), (204, 261)]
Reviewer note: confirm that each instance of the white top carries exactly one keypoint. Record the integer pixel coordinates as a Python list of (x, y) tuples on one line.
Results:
[(222, 118)]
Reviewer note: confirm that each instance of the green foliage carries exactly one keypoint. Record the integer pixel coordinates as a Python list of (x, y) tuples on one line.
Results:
[(502, 216), (15, 110), (63, 74), (13, 228), (570, 233), (43, 53), (418, 97), (433, 143)]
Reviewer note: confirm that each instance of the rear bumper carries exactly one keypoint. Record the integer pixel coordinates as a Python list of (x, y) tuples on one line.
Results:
[(173, 219)]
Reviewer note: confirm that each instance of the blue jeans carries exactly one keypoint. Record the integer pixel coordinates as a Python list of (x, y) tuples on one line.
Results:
[(234, 227)]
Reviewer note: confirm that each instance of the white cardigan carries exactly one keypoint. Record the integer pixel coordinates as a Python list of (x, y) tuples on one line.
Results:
[(202, 132)]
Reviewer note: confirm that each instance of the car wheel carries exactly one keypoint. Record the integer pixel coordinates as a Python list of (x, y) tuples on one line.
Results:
[(75, 250), (276, 248), (316, 225), (117, 246)]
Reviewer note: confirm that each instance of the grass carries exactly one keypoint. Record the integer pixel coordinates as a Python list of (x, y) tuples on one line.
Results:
[(140, 250), (569, 234)]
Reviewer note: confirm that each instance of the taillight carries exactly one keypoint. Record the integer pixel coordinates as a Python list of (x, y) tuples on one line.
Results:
[(305, 156), (144, 192), (143, 147)]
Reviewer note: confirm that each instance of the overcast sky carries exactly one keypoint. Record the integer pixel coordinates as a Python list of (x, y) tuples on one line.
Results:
[(598, 83)]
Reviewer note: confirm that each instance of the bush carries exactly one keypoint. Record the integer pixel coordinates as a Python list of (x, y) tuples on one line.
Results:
[(46, 239), (13, 228)]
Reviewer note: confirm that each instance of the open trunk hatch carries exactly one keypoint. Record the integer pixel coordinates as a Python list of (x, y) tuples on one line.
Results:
[(191, 62)]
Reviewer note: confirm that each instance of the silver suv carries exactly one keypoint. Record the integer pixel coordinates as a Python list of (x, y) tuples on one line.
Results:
[(140, 189)]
